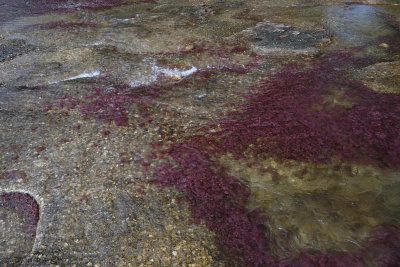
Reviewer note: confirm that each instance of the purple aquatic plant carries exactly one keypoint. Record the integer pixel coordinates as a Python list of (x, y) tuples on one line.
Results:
[(294, 116), (12, 9), (217, 199), (304, 113), (26, 206), (392, 21), (111, 105)]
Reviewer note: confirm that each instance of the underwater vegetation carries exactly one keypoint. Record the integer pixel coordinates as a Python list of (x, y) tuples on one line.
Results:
[(308, 113), (112, 105), (392, 21), (26, 206), (313, 115), (109, 105), (16, 8), (217, 199)]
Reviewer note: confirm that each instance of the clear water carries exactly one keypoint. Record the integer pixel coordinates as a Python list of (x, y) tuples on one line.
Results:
[(332, 207)]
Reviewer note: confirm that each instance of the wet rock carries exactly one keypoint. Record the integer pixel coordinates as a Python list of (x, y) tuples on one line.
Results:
[(12, 48), (19, 215), (203, 12), (94, 179), (382, 77), (283, 39)]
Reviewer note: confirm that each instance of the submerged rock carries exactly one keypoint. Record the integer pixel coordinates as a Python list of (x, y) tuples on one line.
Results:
[(12, 48), (382, 77), (273, 38)]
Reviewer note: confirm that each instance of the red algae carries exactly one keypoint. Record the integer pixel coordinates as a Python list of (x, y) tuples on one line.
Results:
[(217, 199), (12, 9), (26, 206), (111, 104), (295, 114), (67, 103), (14, 174), (393, 42), (106, 132), (306, 259), (85, 197), (39, 149), (392, 21), (16, 146), (94, 5), (383, 245), (238, 49), (280, 118)]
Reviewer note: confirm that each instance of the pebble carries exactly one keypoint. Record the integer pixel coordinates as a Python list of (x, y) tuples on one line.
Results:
[(189, 47), (200, 96)]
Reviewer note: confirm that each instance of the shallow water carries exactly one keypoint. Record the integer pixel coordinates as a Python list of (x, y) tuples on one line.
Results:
[(163, 72)]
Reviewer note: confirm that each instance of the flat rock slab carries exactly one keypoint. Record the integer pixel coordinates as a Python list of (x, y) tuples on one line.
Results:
[(273, 38), (12, 48)]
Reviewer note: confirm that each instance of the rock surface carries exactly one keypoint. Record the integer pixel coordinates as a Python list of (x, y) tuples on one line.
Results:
[(12, 48), (282, 39), (93, 93), (382, 77)]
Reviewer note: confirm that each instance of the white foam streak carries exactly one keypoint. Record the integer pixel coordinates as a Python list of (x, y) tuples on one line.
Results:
[(84, 75), (174, 72)]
